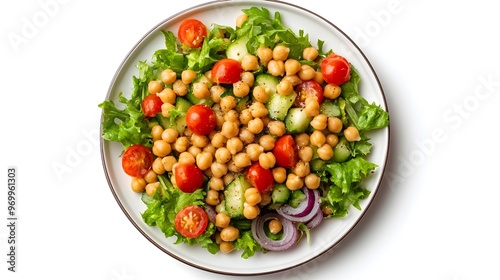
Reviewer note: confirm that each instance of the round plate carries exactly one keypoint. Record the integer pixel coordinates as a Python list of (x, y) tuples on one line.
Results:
[(329, 233)]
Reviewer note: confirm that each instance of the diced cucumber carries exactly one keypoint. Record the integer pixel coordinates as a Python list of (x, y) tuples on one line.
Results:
[(317, 164), (297, 121), (235, 196), (237, 49), (242, 104), (296, 198), (146, 199), (267, 81), (182, 104), (330, 109), (341, 151), (195, 100), (281, 194)]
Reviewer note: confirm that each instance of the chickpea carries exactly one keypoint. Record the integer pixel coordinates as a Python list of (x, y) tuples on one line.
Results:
[(305, 154), (200, 90), (228, 178), (222, 155), (161, 148), (306, 72), (325, 152), (255, 126), (252, 196), (319, 122), (275, 226), (292, 66), (276, 128), (167, 95), (165, 108), (254, 150), (155, 86), (234, 145), (311, 107), (318, 77), (294, 182), (276, 68), (279, 174), (181, 144), (335, 124), (245, 116), (251, 211), (219, 140), (229, 129), (284, 87), (212, 197), (267, 160), (240, 89), (332, 91), (168, 162), (199, 141), (216, 91), (168, 76), (229, 233), (180, 88), (317, 138), (246, 136), (242, 160), (241, 19), (216, 184), (204, 160), (267, 142), (228, 103), (222, 220), (169, 135), (151, 188), (258, 110), (332, 139), (218, 169), (248, 77), (312, 181), (310, 53), (186, 157), (260, 94), (326, 210), (302, 169), (265, 54), (231, 116), (352, 134), (157, 166), (280, 53), (226, 247), (302, 139), (249, 62), (266, 199), (187, 76), (233, 168), (150, 176), (138, 184), (293, 79), (156, 132)]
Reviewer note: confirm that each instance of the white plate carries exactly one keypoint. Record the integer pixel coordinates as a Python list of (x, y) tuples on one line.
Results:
[(324, 237)]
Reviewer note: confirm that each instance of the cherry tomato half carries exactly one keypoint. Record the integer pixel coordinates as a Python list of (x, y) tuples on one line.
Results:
[(260, 178), (286, 152), (192, 32), (151, 105), (308, 89), (188, 177), (200, 119), (226, 71), (137, 160), (335, 69), (191, 221)]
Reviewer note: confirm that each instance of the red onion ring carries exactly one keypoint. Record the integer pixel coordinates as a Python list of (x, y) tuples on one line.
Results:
[(290, 233), (209, 209), (304, 207), (316, 220), (313, 200)]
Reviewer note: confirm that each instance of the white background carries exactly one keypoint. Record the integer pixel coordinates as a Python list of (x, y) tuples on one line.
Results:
[(435, 216)]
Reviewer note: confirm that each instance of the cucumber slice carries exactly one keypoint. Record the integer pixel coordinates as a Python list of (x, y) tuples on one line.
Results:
[(330, 109), (297, 121), (281, 193), (234, 196), (237, 49), (341, 151), (182, 104), (267, 81)]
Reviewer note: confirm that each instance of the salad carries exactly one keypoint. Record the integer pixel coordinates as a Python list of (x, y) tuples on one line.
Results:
[(244, 138)]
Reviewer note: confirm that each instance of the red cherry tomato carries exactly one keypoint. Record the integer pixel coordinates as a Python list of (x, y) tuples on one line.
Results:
[(151, 105), (200, 119), (226, 71), (188, 177), (192, 32), (335, 69), (260, 177), (137, 160), (308, 89), (191, 221), (286, 152)]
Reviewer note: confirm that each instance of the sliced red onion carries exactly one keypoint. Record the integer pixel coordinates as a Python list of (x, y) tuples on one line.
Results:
[(316, 220), (314, 201), (209, 209), (290, 233), (304, 206)]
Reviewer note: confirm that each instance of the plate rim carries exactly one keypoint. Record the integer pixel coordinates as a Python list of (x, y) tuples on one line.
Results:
[(383, 167)]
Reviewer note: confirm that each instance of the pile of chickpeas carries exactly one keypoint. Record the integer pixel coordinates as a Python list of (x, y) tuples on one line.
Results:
[(243, 137)]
